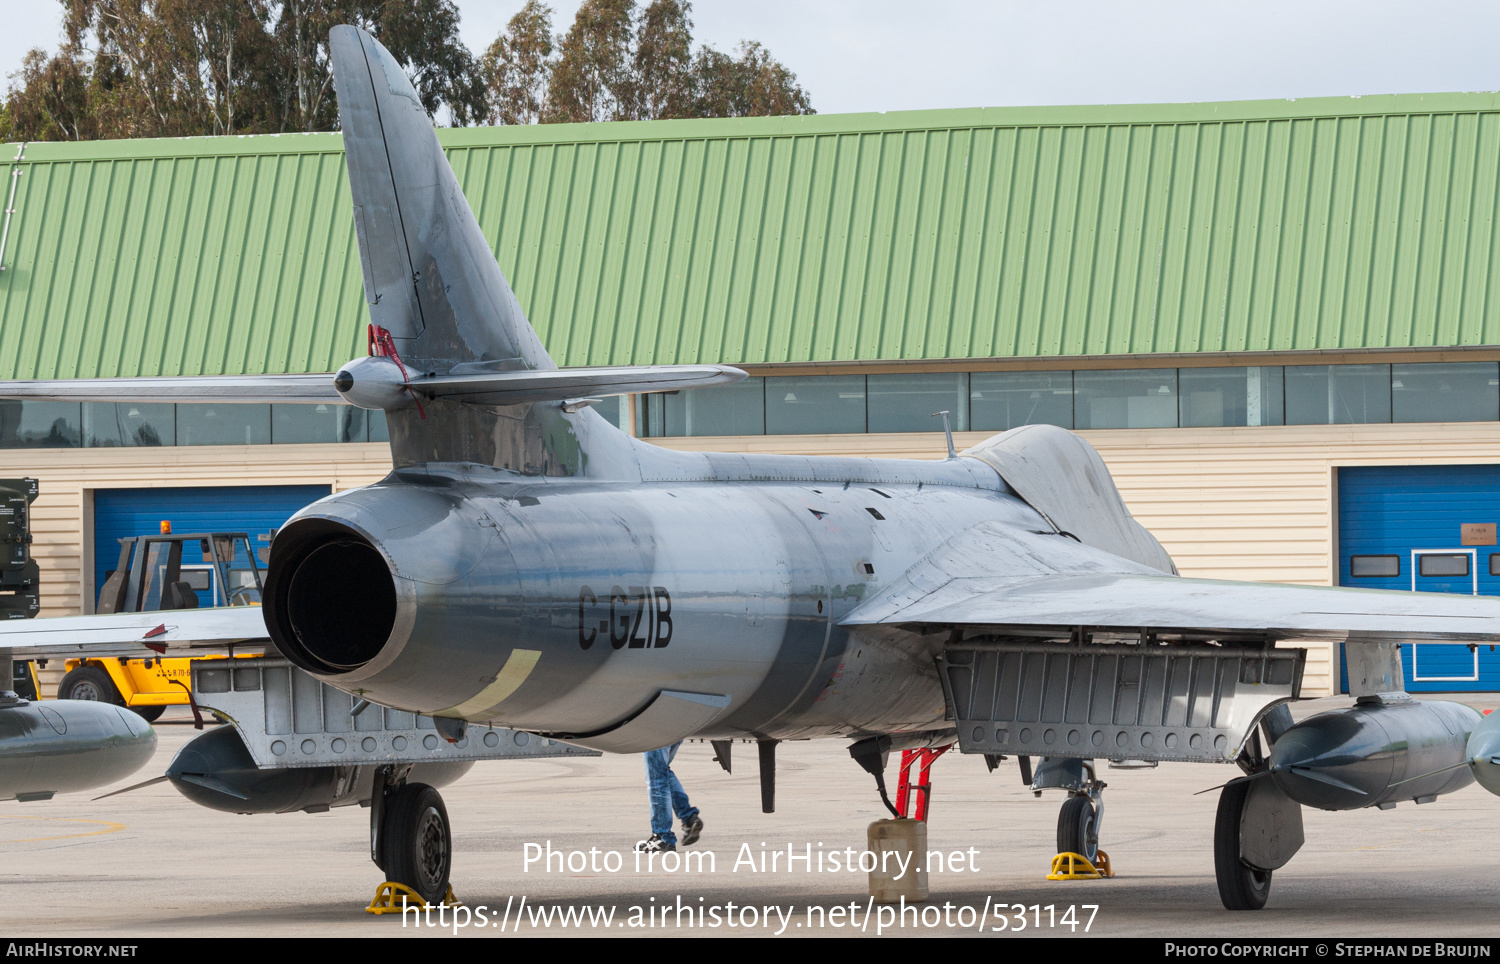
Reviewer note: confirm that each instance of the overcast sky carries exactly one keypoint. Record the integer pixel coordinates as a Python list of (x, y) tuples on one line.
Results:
[(878, 55)]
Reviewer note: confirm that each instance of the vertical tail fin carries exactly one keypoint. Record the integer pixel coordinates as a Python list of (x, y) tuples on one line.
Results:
[(430, 278)]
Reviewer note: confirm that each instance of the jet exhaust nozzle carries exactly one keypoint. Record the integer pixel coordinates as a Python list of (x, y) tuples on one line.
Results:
[(330, 597), (1375, 754)]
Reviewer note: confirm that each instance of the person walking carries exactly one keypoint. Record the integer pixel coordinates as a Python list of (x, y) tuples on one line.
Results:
[(668, 797)]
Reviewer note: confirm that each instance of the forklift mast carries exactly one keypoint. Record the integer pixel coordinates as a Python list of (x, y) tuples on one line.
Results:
[(150, 575)]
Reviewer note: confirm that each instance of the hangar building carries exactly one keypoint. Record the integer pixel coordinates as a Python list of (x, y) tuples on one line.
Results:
[(1278, 321)]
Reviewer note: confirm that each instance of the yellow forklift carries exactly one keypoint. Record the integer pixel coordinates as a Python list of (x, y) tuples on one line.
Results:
[(153, 576)]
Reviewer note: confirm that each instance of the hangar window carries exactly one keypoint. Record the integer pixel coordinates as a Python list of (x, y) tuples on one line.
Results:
[(1371, 567), (1000, 401), (1495, 563), (128, 424), (905, 403), (222, 424), (1142, 398), (294, 424), (1455, 392), (1230, 396), (816, 405), (1338, 394), (40, 425), (738, 409), (1443, 564)]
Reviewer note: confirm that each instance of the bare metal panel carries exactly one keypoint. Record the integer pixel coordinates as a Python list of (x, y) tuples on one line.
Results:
[(292, 720), (1187, 703)]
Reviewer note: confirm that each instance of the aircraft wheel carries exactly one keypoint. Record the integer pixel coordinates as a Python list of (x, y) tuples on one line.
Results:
[(416, 842), (89, 683), (1241, 887), (1075, 828)]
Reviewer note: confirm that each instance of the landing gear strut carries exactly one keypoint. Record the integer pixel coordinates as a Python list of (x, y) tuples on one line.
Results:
[(411, 840)]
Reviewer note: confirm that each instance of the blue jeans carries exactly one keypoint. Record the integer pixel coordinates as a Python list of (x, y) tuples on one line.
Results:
[(667, 795)]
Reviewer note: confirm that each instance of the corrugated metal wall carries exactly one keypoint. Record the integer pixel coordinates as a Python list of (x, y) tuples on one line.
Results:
[(1319, 224)]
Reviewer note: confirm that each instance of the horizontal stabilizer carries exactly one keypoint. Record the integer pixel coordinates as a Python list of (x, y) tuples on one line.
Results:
[(179, 631), (191, 388), (387, 388), (509, 388)]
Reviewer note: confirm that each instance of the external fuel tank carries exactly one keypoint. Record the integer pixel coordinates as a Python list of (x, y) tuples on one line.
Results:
[(1375, 754)]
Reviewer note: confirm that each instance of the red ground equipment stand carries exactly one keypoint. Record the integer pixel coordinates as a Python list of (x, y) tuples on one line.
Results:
[(922, 787)]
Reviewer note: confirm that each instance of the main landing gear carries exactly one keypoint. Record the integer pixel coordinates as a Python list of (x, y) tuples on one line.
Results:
[(1257, 828), (411, 840), (1241, 886)]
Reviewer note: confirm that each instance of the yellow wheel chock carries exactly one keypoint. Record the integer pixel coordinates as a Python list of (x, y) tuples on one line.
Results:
[(393, 898), (1071, 866)]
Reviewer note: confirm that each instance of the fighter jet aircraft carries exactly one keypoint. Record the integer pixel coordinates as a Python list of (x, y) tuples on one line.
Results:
[(526, 564)]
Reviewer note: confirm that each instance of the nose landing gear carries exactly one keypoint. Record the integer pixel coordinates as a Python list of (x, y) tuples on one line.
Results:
[(1079, 819)]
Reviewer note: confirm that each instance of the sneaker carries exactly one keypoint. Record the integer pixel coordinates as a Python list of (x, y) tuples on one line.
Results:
[(654, 844), (692, 828)]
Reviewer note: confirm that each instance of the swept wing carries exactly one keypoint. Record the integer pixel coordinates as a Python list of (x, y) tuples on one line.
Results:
[(994, 579)]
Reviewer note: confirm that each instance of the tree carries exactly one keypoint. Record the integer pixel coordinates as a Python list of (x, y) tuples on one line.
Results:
[(157, 68), (516, 68), (592, 79), (618, 62), (754, 85), (52, 103), (663, 62), (170, 68)]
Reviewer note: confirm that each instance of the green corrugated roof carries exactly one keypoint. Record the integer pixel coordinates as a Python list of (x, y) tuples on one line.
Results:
[(1330, 223)]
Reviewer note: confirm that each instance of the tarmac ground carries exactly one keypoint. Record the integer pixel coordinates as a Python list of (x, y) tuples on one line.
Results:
[(149, 863)]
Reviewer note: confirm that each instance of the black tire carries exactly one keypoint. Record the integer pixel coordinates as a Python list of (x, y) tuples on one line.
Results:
[(416, 842), (89, 683), (149, 713), (1241, 887), (1075, 825)]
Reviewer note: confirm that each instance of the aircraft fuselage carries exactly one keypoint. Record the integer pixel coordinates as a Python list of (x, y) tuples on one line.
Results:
[(565, 607)]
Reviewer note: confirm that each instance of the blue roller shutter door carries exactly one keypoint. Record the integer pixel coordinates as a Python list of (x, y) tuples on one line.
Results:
[(253, 509), (1406, 521)]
